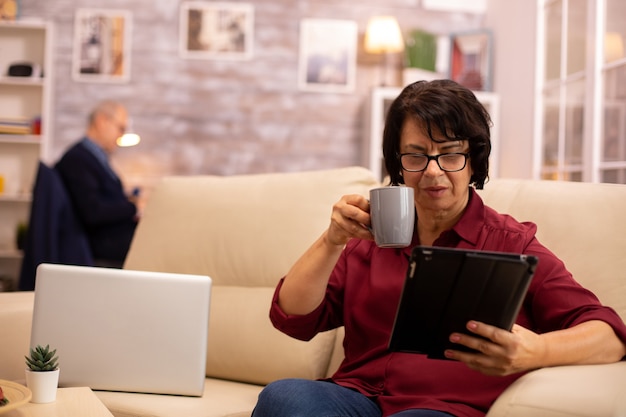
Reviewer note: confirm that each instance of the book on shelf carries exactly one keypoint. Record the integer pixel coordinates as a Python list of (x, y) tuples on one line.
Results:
[(16, 126)]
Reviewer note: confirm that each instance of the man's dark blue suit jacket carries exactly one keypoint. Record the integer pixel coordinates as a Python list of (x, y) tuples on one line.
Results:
[(100, 202), (54, 233)]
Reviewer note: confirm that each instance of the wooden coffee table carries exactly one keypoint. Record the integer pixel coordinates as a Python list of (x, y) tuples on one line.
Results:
[(70, 402)]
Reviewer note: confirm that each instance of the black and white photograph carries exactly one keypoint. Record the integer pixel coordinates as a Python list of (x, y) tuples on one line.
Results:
[(102, 45), (216, 30)]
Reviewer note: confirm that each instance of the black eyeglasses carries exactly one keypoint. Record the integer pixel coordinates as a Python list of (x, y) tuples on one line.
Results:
[(449, 162)]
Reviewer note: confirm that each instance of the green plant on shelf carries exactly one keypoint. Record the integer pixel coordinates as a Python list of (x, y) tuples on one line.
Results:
[(421, 50), (20, 235)]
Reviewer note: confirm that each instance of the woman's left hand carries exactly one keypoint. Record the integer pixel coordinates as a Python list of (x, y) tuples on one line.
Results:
[(499, 352)]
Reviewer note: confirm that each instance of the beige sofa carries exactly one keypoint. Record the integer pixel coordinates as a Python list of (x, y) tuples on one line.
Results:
[(245, 232)]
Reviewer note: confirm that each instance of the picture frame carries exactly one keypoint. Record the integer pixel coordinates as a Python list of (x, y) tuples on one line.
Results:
[(216, 30), (102, 41), (327, 56), (463, 6), (471, 59), (9, 10)]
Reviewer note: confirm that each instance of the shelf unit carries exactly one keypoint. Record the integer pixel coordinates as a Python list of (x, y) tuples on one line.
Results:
[(22, 99), (380, 100)]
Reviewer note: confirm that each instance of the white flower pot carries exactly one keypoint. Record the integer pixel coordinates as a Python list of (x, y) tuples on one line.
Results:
[(43, 385)]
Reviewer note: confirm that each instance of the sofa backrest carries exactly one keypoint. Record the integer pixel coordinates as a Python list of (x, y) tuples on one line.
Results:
[(245, 232), (582, 223), (16, 317), (241, 230)]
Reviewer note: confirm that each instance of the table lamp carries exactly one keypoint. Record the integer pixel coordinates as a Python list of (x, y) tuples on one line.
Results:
[(129, 138), (383, 36)]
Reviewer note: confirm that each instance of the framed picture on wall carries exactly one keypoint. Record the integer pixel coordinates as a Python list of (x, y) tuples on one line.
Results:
[(327, 61), (9, 9), (470, 6), (470, 59), (216, 30), (102, 45)]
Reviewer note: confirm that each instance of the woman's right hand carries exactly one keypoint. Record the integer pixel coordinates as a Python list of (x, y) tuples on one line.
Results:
[(305, 284), (350, 219)]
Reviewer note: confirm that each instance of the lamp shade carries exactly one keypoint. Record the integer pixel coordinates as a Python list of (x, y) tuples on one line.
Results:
[(383, 35)]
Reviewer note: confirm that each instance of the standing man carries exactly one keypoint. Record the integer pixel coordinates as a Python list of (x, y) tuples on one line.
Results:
[(108, 215)]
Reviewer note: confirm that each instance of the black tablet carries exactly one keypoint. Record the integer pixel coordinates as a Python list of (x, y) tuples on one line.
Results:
[(445, 288)]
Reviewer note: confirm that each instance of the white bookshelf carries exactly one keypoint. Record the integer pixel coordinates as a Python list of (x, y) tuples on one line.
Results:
[(22, 99)]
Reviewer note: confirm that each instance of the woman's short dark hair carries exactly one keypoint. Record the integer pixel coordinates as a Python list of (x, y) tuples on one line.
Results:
[(445, 107)]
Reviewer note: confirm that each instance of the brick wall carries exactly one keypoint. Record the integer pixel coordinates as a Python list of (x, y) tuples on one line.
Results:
[(227, 117)]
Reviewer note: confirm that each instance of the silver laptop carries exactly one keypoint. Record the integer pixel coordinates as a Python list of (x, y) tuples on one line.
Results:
[(122, 330)]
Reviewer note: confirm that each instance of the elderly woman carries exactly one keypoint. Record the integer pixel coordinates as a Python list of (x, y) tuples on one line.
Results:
[(436, 140)]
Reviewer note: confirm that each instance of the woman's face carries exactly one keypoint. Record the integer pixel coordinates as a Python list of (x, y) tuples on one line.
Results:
[(445, 193)]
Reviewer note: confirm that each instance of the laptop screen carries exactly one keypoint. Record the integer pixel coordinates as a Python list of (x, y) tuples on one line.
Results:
[(124, 330)]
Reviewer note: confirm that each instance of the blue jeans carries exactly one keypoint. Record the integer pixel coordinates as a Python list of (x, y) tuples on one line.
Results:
[(304, 398)]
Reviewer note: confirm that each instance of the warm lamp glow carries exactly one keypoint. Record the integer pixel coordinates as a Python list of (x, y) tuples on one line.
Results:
[(383, 35), (613, 46), (128, 139)]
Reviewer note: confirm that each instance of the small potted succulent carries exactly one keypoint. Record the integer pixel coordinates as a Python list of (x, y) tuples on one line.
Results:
[(42, 374)]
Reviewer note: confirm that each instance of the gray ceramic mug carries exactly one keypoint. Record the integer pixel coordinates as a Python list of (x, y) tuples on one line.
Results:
[(392, 211)]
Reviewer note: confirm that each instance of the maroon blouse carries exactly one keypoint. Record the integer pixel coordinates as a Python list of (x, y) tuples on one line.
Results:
[(363, 294)]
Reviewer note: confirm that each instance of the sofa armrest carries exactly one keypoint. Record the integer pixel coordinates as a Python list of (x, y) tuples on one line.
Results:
[(16, 316), (574, 391)]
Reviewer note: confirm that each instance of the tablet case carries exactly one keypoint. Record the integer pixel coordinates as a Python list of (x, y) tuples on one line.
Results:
[(445, 288)]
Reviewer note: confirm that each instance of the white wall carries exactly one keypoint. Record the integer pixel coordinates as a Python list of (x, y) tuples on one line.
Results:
[(513, 24)]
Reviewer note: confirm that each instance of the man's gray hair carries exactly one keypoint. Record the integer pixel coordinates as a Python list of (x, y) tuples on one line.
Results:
[(107, 108)]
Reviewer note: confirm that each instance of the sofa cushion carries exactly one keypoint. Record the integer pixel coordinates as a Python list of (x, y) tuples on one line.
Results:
[(548, 392), (220, 399), (241, 230), (338, 353), (582, 223), (16, 316), (244, 346)]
